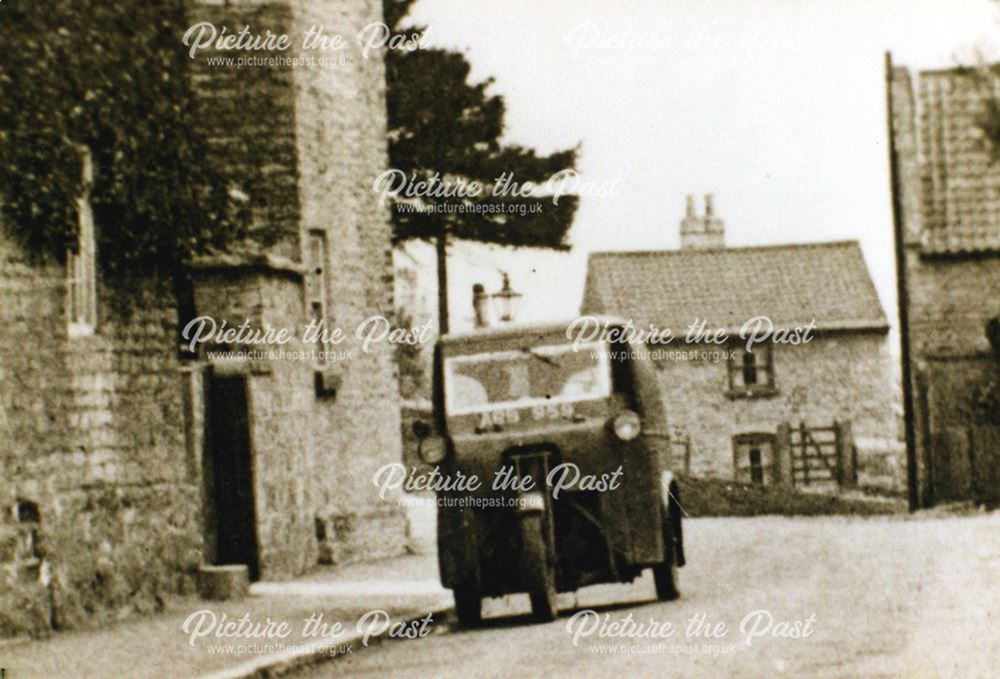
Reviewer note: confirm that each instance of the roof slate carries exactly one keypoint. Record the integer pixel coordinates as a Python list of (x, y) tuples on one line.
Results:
[(790, 284), (960, 175)]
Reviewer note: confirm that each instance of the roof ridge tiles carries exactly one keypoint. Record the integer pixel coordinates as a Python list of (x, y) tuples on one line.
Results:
[(739, 248)]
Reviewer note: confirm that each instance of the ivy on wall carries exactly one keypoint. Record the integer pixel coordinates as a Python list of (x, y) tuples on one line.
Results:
[(110, 76)]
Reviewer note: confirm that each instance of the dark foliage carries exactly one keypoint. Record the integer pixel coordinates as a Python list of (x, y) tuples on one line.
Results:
[(109, 76), (440, 123), (717, 497)]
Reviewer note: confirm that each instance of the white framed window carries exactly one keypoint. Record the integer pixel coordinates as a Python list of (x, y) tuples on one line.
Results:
[(81, 266), (751, 373)]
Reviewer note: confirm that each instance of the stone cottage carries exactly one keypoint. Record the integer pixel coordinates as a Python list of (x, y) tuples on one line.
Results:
[(946, 197), (127, 462), (802, 411)]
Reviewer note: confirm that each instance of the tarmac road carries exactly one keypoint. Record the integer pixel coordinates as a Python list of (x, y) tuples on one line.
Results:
[(881, 597)]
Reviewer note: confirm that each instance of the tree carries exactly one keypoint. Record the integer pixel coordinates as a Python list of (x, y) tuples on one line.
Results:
[(989, 116), (110, 77), (444, 128)]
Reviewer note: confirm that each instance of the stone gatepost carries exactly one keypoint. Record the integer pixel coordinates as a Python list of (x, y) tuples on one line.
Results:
[(783, 473), (846, 456)]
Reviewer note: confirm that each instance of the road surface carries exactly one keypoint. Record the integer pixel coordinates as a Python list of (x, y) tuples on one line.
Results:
[(762, 597)]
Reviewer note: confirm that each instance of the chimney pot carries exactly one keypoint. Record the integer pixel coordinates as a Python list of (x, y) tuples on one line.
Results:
[(702, 232)]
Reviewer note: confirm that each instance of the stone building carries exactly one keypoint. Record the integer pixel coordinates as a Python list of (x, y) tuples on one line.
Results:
[(811, 412), (128, 463), (946, 181)]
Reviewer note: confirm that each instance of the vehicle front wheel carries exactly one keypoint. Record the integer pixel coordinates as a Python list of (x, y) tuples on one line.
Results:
[(540, 568), (665, 574), (468, 606)]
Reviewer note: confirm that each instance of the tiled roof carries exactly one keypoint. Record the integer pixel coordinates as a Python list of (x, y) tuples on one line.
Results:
[(790, 284), (959, 173)]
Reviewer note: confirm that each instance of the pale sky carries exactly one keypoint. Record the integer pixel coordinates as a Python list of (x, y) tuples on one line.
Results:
[(775, 106)]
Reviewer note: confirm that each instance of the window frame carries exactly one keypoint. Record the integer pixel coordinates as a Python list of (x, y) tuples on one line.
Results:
[(755, 441), (598, 348), (762, 365), (81, 266), (316, 284)]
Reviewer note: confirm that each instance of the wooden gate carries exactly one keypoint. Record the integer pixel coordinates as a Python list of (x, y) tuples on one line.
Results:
[(960, 450), (965, 463), (820, 456)]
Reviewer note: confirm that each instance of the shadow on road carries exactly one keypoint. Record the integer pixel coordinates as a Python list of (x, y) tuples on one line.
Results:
[(522, 619)]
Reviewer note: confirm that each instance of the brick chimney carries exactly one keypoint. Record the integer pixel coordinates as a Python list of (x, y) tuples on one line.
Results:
[(702, 233)]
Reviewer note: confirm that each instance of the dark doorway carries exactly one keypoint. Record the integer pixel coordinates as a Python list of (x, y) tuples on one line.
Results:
[(756, 470), (229, 474)]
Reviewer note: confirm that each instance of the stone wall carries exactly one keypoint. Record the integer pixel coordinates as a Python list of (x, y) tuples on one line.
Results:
[(281, 402), (949, 301), (328, 143), (247, 114), (341, 128), (844, 377), (102, 440), (92, 451)]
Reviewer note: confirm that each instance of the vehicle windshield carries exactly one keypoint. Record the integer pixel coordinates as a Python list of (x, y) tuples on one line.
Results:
[(527, 376)]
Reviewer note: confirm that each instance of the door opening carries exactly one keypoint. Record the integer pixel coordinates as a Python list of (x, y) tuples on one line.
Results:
[(231, 517)]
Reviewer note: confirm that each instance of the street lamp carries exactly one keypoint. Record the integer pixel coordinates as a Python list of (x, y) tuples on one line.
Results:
[(503, 304), (507, 301)]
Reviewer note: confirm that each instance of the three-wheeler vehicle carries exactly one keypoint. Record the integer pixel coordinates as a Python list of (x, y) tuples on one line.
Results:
[(566, 439)]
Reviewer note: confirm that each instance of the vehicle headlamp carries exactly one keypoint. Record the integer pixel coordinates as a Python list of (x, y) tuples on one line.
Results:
[(627, 425), (432, 449)]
